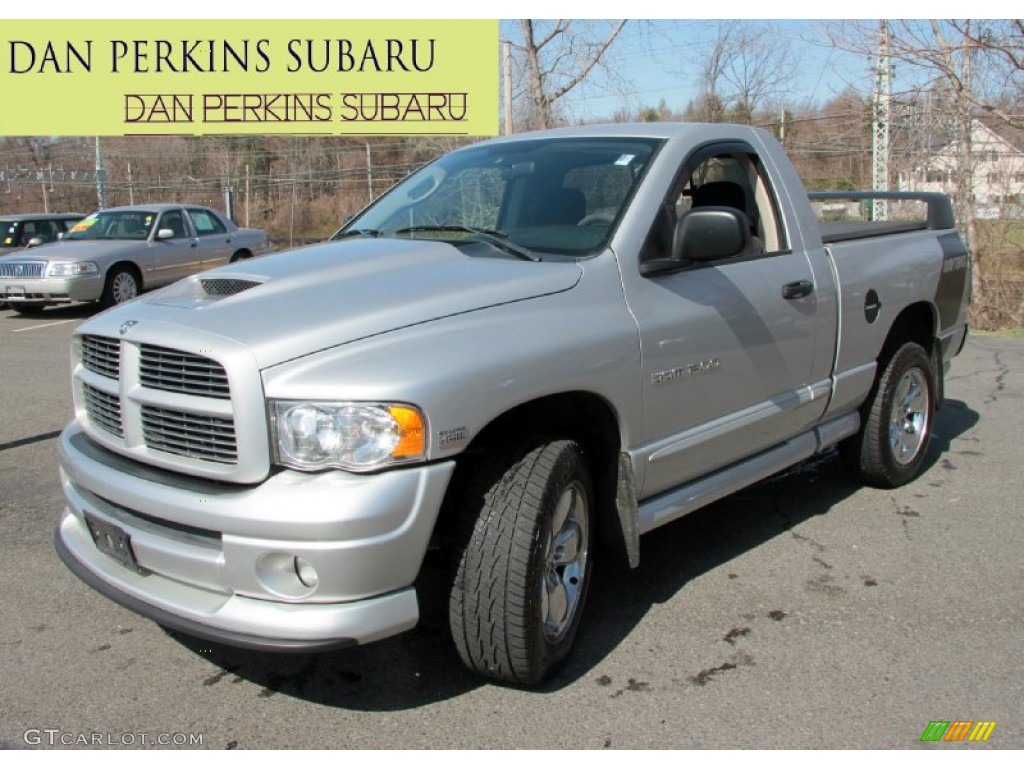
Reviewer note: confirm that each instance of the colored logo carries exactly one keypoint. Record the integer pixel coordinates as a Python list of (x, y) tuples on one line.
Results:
[(958, 730)]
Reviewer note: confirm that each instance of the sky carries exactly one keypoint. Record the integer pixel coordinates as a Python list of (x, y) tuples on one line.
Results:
[(656, 59)]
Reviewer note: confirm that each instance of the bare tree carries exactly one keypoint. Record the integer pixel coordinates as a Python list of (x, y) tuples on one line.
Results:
[(710, 105), (761, 66), (558, 56), (976, 65), (747, 65)]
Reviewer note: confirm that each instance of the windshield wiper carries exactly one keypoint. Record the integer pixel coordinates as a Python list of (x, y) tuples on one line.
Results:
[(357, 233), (492, 236)]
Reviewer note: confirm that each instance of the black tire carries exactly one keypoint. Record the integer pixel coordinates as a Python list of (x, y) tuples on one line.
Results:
[(22, 308), (892, 443), (122, 286), (240, 256), (518, 594)]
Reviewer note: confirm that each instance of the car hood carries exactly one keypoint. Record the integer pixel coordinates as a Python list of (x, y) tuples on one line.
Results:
[(292, 304), (81, 250)]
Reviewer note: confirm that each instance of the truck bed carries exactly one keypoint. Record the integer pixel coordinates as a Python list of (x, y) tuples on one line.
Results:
[(839, 231)]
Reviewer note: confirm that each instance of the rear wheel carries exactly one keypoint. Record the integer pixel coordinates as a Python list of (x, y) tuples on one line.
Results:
[(122, 285), (892, 443), (524, 561)]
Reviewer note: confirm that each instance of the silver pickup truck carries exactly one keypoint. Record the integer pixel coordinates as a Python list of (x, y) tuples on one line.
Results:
[(530, 347)]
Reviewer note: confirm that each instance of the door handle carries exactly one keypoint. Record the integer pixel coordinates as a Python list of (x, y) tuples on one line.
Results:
[(797, 289)]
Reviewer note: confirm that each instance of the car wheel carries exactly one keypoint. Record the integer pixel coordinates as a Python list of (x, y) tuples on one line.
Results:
[(524, 560), (240, 255), (23, 308), (892, 443), (122, 285)]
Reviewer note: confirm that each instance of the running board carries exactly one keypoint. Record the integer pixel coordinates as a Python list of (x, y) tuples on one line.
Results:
[(671, 505)]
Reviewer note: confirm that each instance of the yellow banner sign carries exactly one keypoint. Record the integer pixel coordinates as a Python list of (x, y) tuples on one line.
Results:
[(177, 76)]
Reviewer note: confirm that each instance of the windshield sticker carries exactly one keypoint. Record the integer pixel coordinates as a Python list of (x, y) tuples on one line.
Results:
[(625, 160), (84, 224)]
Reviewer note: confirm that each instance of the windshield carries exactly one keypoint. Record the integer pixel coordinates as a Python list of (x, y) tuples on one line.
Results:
[(552, 196), (113, 225)]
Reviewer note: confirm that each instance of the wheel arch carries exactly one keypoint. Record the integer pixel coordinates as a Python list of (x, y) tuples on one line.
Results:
[(917, 323), (585, 417), (129, 265)]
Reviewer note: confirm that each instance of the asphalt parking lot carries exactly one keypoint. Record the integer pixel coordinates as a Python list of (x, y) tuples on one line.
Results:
[(806, 612)]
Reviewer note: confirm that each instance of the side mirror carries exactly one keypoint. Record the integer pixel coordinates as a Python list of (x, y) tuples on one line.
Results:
[(710, 234), (35, 241), (164, 234), (702, 235)]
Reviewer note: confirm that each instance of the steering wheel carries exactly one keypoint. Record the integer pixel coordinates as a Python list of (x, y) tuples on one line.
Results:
[(599, 219)]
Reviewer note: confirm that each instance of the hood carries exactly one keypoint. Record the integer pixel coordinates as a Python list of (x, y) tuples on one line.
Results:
[(292, 304), (80, 250)]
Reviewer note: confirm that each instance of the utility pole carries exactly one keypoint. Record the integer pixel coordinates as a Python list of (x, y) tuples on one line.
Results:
[(369, 172), (101, 177), (506, 50), (880, 121)]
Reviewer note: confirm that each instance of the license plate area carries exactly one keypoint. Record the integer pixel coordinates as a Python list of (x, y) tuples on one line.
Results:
[(111, 540), (15, 290)]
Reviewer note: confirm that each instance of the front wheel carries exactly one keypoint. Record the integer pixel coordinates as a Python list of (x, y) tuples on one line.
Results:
[(892, 443), (523, 562), (122, 285)]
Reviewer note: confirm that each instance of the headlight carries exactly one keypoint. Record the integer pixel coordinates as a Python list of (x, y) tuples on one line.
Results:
[(353, 436), (72, 269)]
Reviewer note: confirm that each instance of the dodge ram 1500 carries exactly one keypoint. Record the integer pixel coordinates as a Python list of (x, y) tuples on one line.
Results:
[(531, 346)]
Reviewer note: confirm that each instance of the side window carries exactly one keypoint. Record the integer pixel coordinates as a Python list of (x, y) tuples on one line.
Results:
[(205, 222), (732, 177), (45, 231), (173, 220)]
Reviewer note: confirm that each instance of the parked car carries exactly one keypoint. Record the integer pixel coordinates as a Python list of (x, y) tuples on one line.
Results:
[(529, 347), (111, 256), (27, 230)]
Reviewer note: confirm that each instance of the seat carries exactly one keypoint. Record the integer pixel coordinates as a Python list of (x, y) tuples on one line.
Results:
[(557, 205), (726, 194)]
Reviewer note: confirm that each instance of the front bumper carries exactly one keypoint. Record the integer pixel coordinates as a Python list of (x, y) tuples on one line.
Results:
[(53, 290), (209, 554)]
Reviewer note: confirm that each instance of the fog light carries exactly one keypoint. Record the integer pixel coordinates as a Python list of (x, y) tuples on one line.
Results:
[(286, 575), (306, 572)]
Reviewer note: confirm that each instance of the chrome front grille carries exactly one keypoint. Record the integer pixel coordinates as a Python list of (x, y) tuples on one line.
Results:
[(22, 269), (187, 434), (171, 408), (101, 355), (172, 370), (104, 410)]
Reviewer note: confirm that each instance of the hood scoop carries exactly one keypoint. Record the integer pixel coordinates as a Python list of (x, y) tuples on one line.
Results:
[(226, 286)]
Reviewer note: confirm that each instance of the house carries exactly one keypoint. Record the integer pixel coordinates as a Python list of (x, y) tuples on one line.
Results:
[(998, 171)]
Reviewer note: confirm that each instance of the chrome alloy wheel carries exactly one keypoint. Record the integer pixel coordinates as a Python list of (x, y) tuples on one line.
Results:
[(565, 562), (124, 287), (908, 418)]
